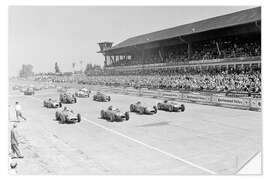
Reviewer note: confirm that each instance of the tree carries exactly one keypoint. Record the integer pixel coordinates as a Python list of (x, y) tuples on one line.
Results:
[(87, 69), (26, 71), (56, 67), (92, 69)]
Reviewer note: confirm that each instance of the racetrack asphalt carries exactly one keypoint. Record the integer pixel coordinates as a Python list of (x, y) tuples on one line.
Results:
[(201, 140)]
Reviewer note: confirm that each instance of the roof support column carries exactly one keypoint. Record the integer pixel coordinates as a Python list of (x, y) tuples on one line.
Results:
[(189, 50), (106, 60), (143, 60)]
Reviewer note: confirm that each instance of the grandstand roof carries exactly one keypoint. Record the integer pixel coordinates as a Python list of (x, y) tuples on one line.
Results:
[(228, 20)]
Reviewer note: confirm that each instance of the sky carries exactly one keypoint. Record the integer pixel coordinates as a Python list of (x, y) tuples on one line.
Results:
[(43, 35)]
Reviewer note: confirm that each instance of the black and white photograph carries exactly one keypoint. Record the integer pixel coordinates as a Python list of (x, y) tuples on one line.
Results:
[(134, 90)]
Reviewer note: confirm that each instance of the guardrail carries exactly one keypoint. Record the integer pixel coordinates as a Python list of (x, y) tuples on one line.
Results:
[(215, 100)]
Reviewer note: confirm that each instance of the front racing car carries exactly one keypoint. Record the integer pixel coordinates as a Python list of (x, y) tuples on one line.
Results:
[(143, 109), (101, 97), (114, 114), (82, 93), (68, 98), (52, 103), (29, 91), (67, 116), (170, 106)]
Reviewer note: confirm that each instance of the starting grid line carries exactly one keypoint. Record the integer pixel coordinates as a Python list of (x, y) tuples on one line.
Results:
[(141, 143)]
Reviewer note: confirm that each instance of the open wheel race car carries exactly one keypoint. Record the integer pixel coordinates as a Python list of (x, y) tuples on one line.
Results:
[(23, 89), (101, 97), (67, 115), (170, 106), (37, 88), (61, 89), (16, 87), (29, 91), (114, 114), (83, 93), (52, 103), (68, 98), (142, 109)]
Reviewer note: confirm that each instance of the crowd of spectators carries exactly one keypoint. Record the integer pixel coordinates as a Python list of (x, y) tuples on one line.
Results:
[(229, 47), (217, 81), (233, 79)]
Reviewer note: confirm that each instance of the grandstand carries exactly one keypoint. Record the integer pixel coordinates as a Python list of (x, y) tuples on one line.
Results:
[(223, 42), (220, 54)]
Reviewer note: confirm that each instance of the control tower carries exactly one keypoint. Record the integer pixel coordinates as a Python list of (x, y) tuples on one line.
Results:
[(103, 47)]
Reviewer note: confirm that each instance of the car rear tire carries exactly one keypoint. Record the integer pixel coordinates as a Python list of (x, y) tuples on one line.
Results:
[(183, 107), (111, 118), (56, 116), (131, 108), (142, 110), (170, 108), (158, 106), (127, 116), (62, 119), (75, 100), (155, 108), (102, 114), (79, 117)]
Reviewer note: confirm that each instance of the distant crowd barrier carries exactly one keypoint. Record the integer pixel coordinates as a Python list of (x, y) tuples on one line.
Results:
[(216, 100), (248, 103)]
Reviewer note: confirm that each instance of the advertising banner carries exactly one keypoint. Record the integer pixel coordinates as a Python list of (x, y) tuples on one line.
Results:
[(231, 101), (131, 91), (256, 103), (196, 97), (170, 95)]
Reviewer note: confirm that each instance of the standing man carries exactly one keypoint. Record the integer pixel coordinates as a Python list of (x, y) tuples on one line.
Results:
[(14, 142), (18, 110)]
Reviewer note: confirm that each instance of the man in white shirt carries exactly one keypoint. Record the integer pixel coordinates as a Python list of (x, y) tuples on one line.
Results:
[(18, 110)]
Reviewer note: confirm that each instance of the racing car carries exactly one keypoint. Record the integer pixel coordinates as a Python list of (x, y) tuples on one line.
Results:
[(170, 106), (61, 89), (16, 87), (52, 103), (68, 98), (23, 89), (37, 88), (142, 109), (101, 97), (83, 93), (67, 115), (29, 91), (114, 114)]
